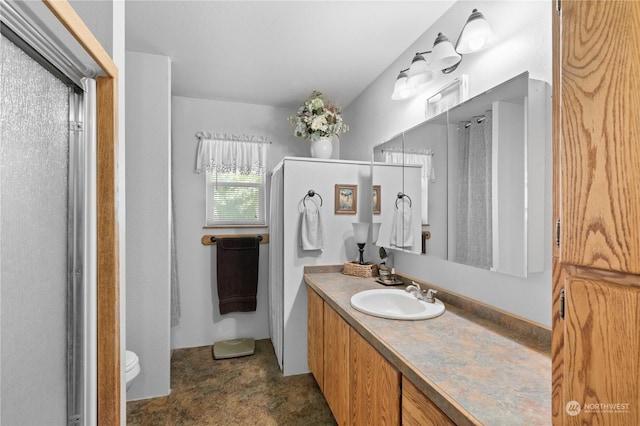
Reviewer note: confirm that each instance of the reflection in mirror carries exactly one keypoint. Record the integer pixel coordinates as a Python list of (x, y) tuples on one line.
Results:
[(426, 145), (482, 180), (422, 151), (398, 186), (496, 184)]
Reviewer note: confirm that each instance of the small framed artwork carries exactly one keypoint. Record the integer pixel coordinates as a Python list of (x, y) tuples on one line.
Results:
[(375, 202), (346, 199)]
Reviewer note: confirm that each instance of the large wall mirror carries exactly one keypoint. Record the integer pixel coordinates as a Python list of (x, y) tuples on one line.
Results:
[(476, 178)]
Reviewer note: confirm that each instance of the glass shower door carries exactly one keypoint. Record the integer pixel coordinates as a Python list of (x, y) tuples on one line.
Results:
[(40, 257)]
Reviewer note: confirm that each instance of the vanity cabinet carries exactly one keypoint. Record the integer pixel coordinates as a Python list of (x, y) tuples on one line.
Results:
[(375, 385), (596, 273), (336, 365), (315, 337), (418, 410), (360, 385)]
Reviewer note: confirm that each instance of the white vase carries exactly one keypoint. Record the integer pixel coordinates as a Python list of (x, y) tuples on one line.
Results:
[(322, 147)]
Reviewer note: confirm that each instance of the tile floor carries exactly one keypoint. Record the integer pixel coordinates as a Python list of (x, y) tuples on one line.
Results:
[(238, 391)]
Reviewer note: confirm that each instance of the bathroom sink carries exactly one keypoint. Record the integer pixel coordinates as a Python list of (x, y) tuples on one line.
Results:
[(395, 304)]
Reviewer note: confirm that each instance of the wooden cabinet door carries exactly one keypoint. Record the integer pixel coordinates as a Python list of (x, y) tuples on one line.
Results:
[(596, 360), (418, 410), (375, 386), (336, 365), (315, 336), (600, 134), (601, 350)]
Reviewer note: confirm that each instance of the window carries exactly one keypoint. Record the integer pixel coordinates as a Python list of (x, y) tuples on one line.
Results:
[(235, 199), (235, 178)]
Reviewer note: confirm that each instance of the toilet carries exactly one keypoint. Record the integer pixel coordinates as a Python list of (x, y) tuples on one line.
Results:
[(132, 367)]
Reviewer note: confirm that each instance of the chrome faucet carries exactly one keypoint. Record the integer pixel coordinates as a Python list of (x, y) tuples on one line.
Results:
[(428, 296)]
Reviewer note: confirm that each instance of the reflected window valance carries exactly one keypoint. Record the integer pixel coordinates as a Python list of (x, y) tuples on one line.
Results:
[(230, 153), (424, 159)]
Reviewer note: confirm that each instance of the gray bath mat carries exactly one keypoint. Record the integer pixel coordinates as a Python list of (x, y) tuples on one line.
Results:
[(233, 348)]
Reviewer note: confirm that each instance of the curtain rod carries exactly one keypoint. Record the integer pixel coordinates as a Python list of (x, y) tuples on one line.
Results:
[(479, 119), (232, 137)]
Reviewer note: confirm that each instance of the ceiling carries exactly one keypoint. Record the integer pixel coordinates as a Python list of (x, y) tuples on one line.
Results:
[(276, 52)]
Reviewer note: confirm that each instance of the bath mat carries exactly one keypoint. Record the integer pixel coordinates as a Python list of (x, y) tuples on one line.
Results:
[(233, 348)]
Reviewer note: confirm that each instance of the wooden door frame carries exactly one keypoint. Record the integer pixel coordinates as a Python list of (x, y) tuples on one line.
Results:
[(108, 282)]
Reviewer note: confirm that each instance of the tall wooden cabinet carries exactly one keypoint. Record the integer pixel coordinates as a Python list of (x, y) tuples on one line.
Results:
[(596, 274)]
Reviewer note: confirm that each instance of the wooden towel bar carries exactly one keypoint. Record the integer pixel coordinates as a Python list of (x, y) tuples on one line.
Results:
[(210, 240)]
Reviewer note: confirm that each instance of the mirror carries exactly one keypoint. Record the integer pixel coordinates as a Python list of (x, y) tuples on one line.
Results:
[(397, 198), (484, 194)]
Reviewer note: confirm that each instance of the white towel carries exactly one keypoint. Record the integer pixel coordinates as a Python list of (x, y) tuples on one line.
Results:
[(311, 236), (401, 229)]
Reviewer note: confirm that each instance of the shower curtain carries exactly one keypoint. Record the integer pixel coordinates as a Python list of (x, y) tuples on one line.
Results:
[(276, 261), (175, 283), (474, 239)]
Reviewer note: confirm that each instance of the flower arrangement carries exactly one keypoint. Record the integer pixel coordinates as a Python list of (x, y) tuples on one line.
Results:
[(317, 118)]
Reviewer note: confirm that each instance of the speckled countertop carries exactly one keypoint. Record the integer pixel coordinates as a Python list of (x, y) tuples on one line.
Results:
[(474, 370)]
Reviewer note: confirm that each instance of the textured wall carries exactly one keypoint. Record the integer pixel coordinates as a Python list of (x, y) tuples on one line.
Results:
[(148, 220)]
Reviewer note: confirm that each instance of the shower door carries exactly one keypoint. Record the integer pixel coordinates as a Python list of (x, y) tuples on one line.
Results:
[(42, 244)]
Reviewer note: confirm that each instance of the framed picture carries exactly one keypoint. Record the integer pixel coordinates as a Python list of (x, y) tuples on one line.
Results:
[(346, 199), (375, 202)]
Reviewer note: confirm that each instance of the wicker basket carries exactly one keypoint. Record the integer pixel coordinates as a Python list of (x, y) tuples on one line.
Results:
[(367, 270)]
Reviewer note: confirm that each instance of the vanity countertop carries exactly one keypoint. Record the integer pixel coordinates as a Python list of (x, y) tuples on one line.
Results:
[(476, 371)]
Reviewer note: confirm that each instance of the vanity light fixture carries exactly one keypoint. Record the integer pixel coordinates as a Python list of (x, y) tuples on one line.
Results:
[(443, 57), (401, 89)]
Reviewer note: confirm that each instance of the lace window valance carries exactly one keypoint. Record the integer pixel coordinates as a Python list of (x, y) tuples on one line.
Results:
[(230, 153)]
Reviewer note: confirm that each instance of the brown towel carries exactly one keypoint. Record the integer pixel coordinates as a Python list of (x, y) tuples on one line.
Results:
[(237, 265)]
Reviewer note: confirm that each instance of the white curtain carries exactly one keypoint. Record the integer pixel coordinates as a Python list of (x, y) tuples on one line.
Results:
[(276, 262), (474, 240), (229, 153), (428, 173), (175, 282)]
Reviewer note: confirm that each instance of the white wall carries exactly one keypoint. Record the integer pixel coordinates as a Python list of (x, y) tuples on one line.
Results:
[(522, 43), (339, 246), (148, 131), (201, 323), (119, 57)]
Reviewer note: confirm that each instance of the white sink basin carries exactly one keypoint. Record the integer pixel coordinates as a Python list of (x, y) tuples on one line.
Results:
[(395, 304)]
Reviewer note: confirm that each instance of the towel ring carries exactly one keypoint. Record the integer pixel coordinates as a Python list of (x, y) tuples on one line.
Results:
[(400, 197), (311, 194)]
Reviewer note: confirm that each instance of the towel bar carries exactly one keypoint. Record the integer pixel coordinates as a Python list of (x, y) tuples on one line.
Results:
[(209, 240)]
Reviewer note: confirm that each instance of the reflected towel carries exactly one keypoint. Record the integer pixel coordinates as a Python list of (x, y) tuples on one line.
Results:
[(311, 234), (401, 228), (237, 266)]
